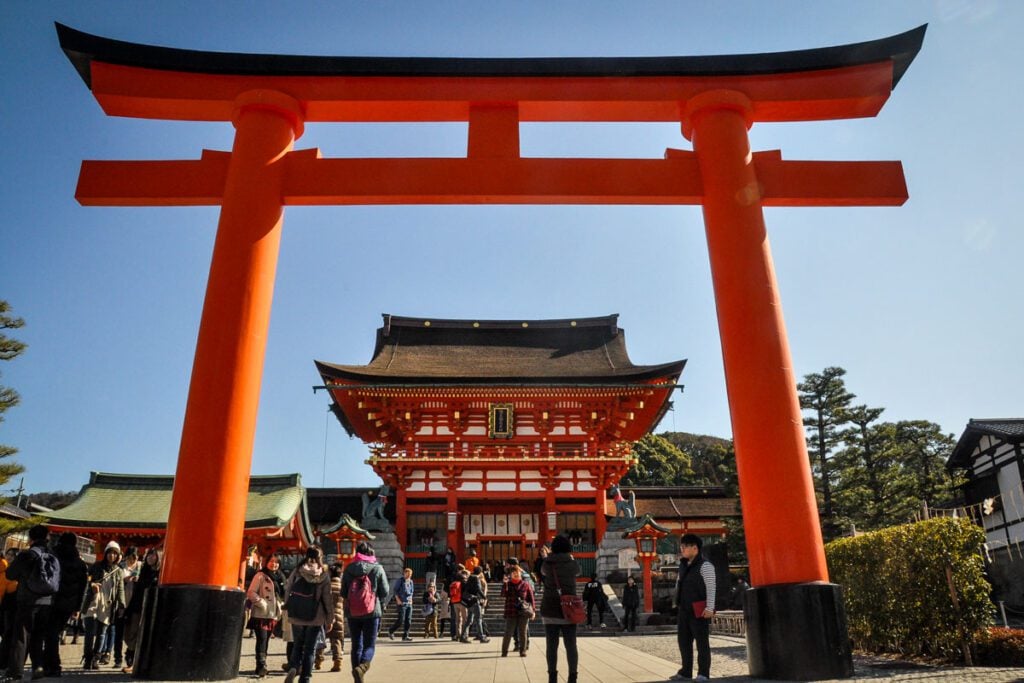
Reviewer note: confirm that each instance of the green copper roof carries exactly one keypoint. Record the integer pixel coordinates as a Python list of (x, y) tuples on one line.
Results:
[(139, 501)]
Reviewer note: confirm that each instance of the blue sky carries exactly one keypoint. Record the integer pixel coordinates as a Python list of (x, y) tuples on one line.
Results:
[(919, 303)]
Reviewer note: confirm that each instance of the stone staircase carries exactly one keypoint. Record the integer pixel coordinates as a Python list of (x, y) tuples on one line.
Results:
[(494, 620)]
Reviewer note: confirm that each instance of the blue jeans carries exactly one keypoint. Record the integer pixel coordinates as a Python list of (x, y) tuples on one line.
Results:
[(475, 617), (403, 619), (363, 631), (95, 630), (304, 639)]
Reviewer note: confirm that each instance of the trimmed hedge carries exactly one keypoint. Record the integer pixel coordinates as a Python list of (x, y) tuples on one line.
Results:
[(897, 593), (1000, 647)]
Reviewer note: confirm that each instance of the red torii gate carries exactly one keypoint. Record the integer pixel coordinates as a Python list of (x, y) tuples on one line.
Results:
[(796, 620)]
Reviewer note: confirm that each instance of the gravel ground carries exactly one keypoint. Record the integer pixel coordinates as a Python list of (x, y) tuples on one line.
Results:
[(729, 662)]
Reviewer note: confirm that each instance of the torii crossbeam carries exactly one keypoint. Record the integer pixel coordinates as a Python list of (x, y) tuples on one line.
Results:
[(796, 621)]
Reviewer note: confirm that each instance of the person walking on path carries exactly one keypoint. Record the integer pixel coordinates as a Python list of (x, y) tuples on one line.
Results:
[(542, 555), (364, 586), (430, 601), (336, 636), (34, 599), (511, 563), (403, 591), (74, 575), (149, 577), (449, 566), (458, 610), (430, 566), (266, 595), (631, 603), (472, 561), (310, 611), (558, 573), (593, 595), (442, 609), (473, 595), (695, 600), (104, 598), (130, 567), (8, 603), (520, 608)]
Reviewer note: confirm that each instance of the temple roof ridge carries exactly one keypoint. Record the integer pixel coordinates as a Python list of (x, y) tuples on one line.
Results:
[(468, 351)]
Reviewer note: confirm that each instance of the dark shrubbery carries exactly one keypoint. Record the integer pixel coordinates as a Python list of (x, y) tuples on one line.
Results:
[(1000, 647), (897, 587)]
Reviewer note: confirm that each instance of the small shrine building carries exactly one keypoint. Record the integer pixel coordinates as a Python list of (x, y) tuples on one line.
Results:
[(498, 434), (132, 509)]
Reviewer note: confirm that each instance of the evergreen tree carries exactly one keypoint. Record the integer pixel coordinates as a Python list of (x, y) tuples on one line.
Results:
[(9, 350), (712, 459), (659, 463), (825, 395), (866, 475), (921, 450)]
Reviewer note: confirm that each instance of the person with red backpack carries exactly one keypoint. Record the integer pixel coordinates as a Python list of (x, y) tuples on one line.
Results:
[(364, 586)]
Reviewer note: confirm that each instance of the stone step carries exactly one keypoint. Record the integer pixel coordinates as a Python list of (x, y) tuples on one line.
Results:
[(494, 620)]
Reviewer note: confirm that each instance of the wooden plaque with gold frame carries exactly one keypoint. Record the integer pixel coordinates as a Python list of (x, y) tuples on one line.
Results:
[(500, 421)]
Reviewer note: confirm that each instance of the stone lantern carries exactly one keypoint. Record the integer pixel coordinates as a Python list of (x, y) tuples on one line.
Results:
[(646, 532)]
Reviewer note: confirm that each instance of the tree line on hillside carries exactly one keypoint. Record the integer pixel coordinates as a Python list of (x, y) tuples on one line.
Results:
[(868, 473)]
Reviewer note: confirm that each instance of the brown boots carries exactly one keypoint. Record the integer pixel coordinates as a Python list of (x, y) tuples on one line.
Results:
[(360, 671)]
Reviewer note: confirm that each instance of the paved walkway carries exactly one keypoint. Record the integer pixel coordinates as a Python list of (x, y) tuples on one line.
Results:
[(602, 660)]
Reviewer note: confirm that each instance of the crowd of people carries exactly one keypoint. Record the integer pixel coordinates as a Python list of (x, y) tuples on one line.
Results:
[(45, 591)]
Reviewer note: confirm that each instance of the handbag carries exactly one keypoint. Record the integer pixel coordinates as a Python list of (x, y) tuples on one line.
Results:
[(572, 605)]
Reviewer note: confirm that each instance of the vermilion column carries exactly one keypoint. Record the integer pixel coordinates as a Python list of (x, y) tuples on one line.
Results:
[(212, 480), (796, 622), (198, 597), (784, 541)]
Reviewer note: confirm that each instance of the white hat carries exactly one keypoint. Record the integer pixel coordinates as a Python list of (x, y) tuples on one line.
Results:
[(113, 545)]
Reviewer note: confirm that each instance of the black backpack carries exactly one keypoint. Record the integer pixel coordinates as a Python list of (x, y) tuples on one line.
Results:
[(302, 602), (44, 576)]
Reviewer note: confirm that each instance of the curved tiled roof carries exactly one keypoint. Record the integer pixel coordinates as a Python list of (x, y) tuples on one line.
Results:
[(523, 351), (137, 501)]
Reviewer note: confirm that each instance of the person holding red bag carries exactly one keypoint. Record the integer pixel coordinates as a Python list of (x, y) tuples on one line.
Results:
[(559, 572), (695, 601)]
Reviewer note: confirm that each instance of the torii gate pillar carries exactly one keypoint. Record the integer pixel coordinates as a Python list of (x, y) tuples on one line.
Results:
[(796, 623), (198, 609)]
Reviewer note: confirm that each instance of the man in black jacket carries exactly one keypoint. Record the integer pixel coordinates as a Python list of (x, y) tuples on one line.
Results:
[(695, 600), (74, 575), (32, 614), (593, 595)]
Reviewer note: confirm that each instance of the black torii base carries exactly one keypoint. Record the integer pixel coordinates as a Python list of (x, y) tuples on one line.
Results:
[(190, 633), (797, 632)]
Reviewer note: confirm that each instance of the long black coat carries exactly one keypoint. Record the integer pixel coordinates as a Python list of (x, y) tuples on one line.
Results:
[(559, 569)]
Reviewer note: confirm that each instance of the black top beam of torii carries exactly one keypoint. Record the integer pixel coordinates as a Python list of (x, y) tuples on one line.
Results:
[(82, 48)]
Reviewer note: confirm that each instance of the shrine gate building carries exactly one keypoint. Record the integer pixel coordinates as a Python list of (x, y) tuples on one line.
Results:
[(499, 434)]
